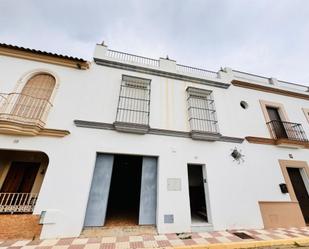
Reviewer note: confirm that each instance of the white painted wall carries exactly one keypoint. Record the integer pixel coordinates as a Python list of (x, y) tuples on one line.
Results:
[(92, 95)]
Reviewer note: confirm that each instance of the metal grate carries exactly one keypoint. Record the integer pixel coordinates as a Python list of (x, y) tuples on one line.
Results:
[(282, 129), (243, 235), (201, 109), (24, 109), (134, 101)]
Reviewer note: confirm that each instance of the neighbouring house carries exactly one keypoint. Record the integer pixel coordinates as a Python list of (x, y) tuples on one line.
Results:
[(128, 141)]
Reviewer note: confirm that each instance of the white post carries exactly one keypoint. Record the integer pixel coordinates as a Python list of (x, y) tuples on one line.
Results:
[(100, 51), (167, 65), (273, 81), (226, 74)]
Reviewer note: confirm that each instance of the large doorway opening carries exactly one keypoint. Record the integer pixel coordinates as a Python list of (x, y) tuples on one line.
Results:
[(123, 193), (300, 183), (125, 188), (198, 205)]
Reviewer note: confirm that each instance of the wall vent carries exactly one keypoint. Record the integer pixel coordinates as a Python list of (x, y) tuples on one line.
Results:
[(168, 218)]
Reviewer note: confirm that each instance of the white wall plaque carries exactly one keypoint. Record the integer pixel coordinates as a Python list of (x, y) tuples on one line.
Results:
[(173, 184)]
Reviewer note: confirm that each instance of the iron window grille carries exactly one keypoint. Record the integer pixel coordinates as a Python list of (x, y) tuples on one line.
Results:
[(202, 112), (134, 101)]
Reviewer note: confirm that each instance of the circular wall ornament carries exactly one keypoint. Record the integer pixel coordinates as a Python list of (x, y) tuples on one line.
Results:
[(244, 104)]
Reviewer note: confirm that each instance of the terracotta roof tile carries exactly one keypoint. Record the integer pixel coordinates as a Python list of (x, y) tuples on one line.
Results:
[(4, 45)]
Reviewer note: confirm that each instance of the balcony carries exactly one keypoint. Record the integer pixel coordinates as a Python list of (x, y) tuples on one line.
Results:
[(284, 134), (287, 130), (17, 202), (23, 114), (24, 109)]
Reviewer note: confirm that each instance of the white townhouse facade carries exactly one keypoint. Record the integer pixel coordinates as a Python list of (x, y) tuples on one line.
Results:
[(129, 141)]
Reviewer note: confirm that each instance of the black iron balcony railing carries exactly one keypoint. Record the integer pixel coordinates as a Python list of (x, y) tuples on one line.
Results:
[(281, 129)]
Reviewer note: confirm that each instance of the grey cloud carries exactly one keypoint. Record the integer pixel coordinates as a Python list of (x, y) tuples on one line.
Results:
[(265, 37)]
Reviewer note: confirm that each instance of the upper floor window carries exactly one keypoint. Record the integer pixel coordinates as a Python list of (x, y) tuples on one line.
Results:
[(40, 86), (31, 105), (202, 112), (278, 122), (34, 99), (134, 101)]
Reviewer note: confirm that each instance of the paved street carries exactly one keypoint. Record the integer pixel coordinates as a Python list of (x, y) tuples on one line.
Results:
[(204, 240)]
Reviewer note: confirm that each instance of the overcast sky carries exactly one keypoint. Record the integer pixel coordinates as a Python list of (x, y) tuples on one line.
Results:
[(267, 37)]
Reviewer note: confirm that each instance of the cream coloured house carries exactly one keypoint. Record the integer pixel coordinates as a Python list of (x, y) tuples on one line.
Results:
[(130, 141)]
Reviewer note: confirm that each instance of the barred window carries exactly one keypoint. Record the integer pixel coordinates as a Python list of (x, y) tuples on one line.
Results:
[(202, 112), (134, 100)]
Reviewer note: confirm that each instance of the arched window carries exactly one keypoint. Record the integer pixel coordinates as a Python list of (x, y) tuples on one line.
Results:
[(40, 86), (33, 102)]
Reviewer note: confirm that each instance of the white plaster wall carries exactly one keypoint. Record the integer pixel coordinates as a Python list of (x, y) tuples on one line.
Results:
[(251, 122), (234, 190), (93, 95)]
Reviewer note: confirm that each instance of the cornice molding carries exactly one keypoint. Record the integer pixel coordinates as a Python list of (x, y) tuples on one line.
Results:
[(54, 132), (14, 128), (270, 89), (162, 73), (131, 128), (44, 57), (154, 131)]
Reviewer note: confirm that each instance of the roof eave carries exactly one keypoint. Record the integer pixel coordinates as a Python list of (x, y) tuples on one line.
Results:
[(36, 55)]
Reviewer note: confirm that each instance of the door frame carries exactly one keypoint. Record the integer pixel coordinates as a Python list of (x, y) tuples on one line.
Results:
[(206, 191), (126, 154), (304, 170), (282, 113)]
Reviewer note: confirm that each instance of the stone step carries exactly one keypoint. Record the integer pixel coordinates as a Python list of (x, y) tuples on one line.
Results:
[(118, 231)]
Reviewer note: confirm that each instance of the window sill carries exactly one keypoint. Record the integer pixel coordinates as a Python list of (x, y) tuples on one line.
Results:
[(205, 136), (131, 127)]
